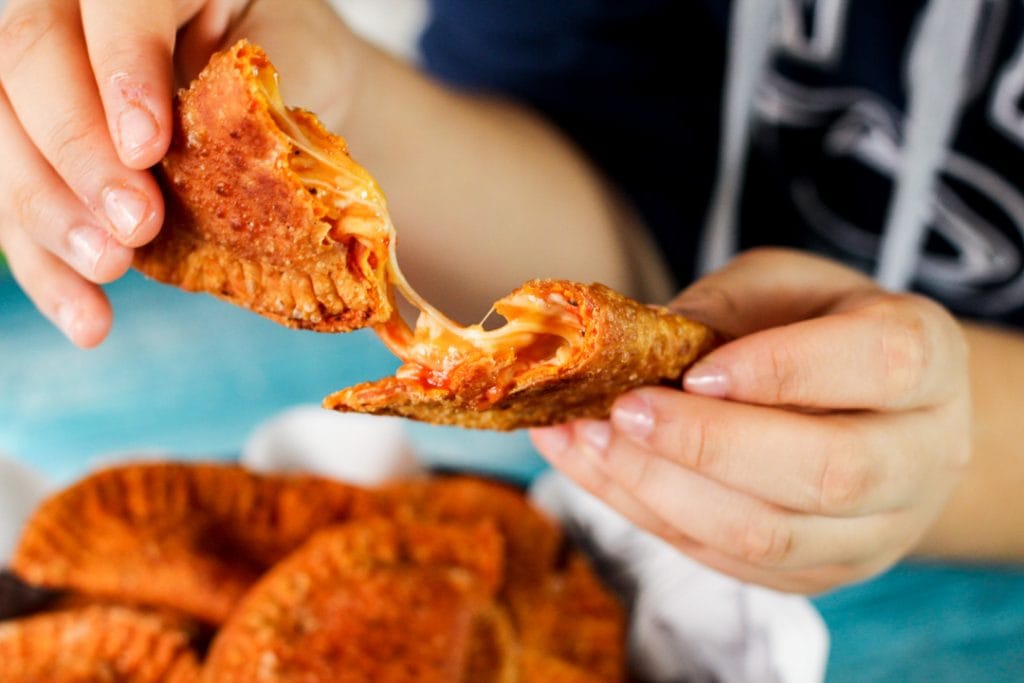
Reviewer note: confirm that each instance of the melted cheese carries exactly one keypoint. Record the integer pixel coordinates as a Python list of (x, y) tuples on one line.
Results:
[(437, 344)]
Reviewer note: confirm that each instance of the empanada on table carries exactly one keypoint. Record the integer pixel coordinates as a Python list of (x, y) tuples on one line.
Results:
[(95, 644), (191, 538)]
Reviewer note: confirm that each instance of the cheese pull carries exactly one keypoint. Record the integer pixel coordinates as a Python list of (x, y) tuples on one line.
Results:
[(267, 209), (567, 351)]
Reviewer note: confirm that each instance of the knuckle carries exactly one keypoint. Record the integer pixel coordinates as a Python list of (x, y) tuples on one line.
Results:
[(763, 540), (639, 476), (26, 201), (761, 254), (122, 57), (696, 451), (709, 297), (66, 146), (23, 29), (845, 480), (783, 375), (904, 348)]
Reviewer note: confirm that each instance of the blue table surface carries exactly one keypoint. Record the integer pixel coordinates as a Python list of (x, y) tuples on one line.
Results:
[(189, 376)]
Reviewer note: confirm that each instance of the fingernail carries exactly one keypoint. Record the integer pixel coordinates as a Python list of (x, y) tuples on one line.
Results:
[(125, 209), (136, 127), (66, 318), (707, 379), (634, 416), (595, 435), (552, 441), (87, 243)]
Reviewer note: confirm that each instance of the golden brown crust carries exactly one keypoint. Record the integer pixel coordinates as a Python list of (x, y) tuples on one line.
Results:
[(241, 225), (623, 344), (373, 600), (192, 538), (96, 644), (574, 620), (450, 579), (532, 541)]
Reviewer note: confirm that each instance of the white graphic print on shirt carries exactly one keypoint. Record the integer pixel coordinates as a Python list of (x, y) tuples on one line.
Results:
[(973, 260)]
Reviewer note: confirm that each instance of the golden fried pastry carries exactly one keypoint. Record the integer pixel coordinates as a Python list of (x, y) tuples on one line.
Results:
[(192, 538), (267, 210), (453, 579), (535, 667), (96, 645), (374, 600), (567, 351), (505, 614), (532, 541), (571, 619)]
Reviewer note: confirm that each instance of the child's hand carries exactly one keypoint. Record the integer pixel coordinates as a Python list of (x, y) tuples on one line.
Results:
[(85, 109), (814, 450)]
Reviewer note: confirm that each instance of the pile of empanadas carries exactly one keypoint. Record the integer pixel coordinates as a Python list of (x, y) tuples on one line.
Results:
[(189, 573)]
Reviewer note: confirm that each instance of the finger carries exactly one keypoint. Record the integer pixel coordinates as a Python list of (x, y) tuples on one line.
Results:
[(890, 352), (42, 52), (738, 525), (130, 46), (561, 446), (765, 288), (830, 465), (573, 449), (78, 308), (37, 197)]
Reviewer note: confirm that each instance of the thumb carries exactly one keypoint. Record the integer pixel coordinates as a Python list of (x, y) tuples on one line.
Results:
[(766, 288)]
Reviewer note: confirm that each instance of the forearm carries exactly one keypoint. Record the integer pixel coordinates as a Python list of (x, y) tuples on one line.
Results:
[(984, 519), (484, 194)]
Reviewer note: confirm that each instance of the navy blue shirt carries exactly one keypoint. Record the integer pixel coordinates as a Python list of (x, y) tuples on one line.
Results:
[(638, 85)]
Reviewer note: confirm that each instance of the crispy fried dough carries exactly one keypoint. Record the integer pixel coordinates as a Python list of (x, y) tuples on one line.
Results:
[(450, 579), (243, 219), (373, 600), (532, 541), (96, 645), (574, 620), (618, 344), (192, 538)]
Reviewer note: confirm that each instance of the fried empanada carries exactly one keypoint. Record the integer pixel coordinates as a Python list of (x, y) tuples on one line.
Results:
[(192, 538), (267, 210), (375, 600), (567, 351), (532, 541), (96, 645), (573, 619)]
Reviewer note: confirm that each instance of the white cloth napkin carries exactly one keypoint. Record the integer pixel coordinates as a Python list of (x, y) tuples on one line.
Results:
[(689, 624), (21, 490)]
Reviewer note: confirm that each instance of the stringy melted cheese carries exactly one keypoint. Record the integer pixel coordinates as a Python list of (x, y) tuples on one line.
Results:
[(538, 330)]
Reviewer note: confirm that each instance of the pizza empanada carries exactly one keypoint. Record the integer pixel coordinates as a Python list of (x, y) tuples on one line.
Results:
[(266, 209)]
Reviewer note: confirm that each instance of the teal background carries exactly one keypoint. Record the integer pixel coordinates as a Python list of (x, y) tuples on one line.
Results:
[(189, 376)]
